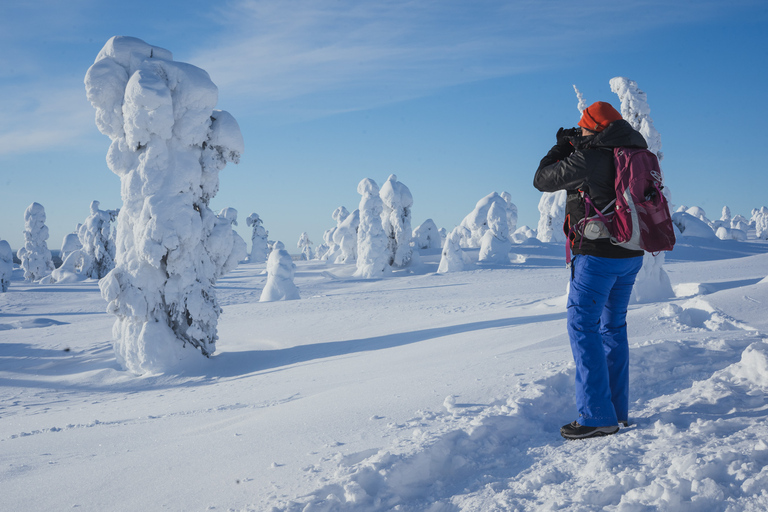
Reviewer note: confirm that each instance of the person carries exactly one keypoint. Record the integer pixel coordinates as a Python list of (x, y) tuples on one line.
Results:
[(602, 273)]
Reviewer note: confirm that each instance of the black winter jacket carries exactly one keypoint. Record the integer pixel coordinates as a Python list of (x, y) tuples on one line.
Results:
[(586, 163)]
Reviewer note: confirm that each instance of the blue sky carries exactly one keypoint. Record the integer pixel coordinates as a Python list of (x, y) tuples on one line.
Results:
[(456, 98)]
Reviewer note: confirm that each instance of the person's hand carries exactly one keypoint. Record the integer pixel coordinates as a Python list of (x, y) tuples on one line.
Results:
[(565, 134)]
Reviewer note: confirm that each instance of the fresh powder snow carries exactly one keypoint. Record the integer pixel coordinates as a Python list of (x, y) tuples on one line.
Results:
[(326, 403)]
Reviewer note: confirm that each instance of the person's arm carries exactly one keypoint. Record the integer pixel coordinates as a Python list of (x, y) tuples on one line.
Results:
[(562, 168)]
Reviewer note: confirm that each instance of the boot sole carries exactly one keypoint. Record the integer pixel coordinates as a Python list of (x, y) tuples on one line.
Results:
[(595, 433)]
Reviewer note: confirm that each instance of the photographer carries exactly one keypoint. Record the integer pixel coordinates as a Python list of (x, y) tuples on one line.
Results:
[(602, 274)]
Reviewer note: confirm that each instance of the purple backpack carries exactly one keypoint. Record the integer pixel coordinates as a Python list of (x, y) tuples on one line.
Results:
[(639, 218)]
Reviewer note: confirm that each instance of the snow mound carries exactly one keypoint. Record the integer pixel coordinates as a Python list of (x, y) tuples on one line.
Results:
[(699, 314)]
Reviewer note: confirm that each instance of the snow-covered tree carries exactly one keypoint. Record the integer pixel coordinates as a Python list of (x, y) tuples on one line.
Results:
[(740, 222), (70, 244), (652, 282), (98, 243), (552, 216), (345, 238), (511, 212), (725, 233), (495, 245), (582, 105), (34, 254), (259, 239), (522, 234), (280, 274), (453, 259), (231, 246), (305, 246), (340, 214), (396, 221), (6, 265), (475, 224), (372, 253), (427, 236), (168, 147), (760, 219), (636, 111)]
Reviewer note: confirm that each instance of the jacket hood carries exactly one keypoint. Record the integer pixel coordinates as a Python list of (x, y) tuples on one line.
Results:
[(618, 134)]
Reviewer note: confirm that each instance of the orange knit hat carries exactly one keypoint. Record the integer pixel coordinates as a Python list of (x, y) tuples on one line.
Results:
[(598, 116)]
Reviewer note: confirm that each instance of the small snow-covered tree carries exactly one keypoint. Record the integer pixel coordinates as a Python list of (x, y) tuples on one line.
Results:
[(340, 214), (230, 214), (168, 147), (305, 246), (345, 238), (6, 265), (582, 105), (652, 282), (259, 239), (740, 222), (231, 248), (453, 258), (522, 234), (280, 275), (511, 212), (427, 236), (552, 216), (70, 244), (34, 254), (495, 245), (760, 219), (372, 252), (475, 224), (98, 243), (396, 221)]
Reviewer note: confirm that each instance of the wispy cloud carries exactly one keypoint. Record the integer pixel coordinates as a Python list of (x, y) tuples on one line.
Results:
[(42, 117), (350, 55)]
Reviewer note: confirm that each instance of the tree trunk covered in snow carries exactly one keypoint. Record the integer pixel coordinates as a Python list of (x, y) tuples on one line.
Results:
[(168, 146)]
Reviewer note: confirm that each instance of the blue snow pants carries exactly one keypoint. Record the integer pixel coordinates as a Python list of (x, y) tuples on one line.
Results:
[(597, 326)]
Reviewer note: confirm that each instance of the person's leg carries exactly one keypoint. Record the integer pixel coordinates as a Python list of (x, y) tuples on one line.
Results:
[(614, 334), (591, 284)]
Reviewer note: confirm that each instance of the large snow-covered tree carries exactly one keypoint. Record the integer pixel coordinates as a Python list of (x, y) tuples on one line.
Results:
[(168, 146), (6, 265), (396, 221), (372, 254), (34, 254)]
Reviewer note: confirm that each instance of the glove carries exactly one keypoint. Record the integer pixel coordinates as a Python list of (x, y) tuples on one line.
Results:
[(565, 134)]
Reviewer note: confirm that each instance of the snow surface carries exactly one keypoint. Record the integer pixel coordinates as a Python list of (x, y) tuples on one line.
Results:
[(417, 391)]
